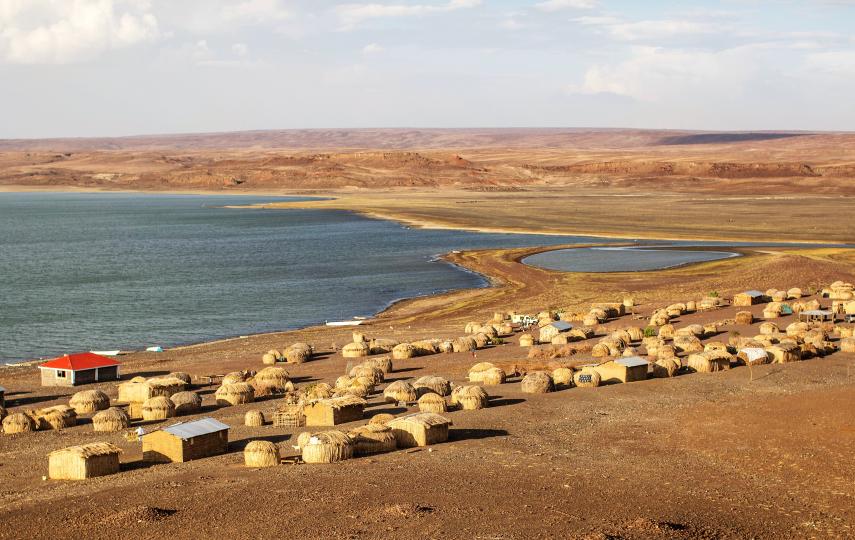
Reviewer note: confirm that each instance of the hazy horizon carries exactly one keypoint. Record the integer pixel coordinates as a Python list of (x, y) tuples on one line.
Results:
[(112, 68)]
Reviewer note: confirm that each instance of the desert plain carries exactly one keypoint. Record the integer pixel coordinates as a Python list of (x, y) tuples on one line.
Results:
[(764, 452)]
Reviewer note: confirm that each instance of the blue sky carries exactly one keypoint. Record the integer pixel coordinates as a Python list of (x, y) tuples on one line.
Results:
[(121, 67)]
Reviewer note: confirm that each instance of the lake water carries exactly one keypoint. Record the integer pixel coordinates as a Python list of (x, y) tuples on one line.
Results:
[(619, 259), (125, 271)]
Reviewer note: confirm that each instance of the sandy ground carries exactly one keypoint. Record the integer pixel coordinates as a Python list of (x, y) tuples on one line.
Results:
[(697, 456)]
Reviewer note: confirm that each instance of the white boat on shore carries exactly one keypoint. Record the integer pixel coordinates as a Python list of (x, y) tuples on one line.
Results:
[(344, 323), (107, 353)]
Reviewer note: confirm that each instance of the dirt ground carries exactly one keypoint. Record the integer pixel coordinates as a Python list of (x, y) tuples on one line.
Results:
[(696, 456)]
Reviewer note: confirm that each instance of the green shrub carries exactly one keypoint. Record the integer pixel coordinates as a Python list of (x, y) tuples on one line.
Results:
[(650, 331)]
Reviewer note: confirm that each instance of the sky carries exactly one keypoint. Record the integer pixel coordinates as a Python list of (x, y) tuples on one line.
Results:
[(79, 68)]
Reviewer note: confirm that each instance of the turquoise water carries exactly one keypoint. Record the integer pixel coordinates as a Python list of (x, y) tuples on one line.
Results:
[(126, 271)]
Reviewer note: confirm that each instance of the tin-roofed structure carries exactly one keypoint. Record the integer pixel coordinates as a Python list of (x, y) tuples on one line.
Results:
[(749, 298), (549, 331), (629, 369), (186, 441), (816, 315)]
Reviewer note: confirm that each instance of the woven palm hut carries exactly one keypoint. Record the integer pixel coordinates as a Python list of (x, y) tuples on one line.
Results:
[(425, 347), (373, 439), (289, 415), (84, 461), (253, 419), (319, 391), (493, 376), (587, 378), (383, 363), (89, 401), (778, 296), (432, 384), (158, 408), (261, 454), (181, 376), (269, 358), (446, 346), (298, 353), (381, 418), (420, 429), (690, 330), (403, 351), (56, 417), (235, 377), (382, 346), (431, 402), (400, 392), (355, 350), (476, 372), (186, 403), (165, 386), (666, 331), (234, 394), (769, 329), (111, 420), (526, 340), (481, 340), (464, 344), (744, 317), (470, 397), (537, 382), (373, 373), (709, 361), (659, 318), (562, 376), (18, 423), (688, 344), (272, 380), (784, 352), (334, 411), (772, 310), (327, 447)]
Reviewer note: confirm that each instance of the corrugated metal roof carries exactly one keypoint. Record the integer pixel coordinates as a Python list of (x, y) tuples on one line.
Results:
[(817, 312), (754, 293), (562, 325), (202, 426), (632, 361)]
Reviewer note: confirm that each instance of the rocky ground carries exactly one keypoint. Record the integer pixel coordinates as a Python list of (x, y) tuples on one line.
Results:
[(719, 455)]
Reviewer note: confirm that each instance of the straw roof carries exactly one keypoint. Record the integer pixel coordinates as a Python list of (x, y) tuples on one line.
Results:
[(470, 397), (272, 380), (476, 372), (110, 420), (403, 351), (355, 350), (433, 403), (158, 408), (383, 363), (587, 378), (420, 429), (319, 391), (186, 402), (89, 450), (340, 402), (375, 374), (327, 447), (400, 391), (18, 423), (432, 383), (56, 417), (493, 376), (89, 401), (562, 376), (253, 419), (537, 382), (261, 454), (235, 377), (234, 394), (373, 439), (381, 418)]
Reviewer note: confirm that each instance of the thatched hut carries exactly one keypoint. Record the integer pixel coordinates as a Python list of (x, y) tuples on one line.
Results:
[(89, 401), (665, 367), (464, 344), (84, 461), (784, 352), (400, 392), (355, 350), (166, 386), (493, 376), (272, 380), (432, 384), (327, 447), (562, 376), (56, 417), (477, 372), (744, 317), (659, 318), (769, 329), (548, 332), (373, 439), (752, 356), (470, 397), (375, 374), (433, 403), (289, 415), (158, 408), (334, 411), (186, 403), (320, 390), (709, 361), (748, 298), (271, 357), (403, 351), (586, 378), (688, 344), (526, 340), (298, 353), (111, 420), (234, 394), (261, 454), (18, 423), (381, 419), (235, 377), (420, 429), (382, 346), (537, 382), (383, 363), (181, 376), (253, 419)]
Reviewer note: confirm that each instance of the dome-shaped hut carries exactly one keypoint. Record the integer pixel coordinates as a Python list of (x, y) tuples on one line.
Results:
[(234, 394), (186, 403), (537, 382), (261, 454), (111, 420), (89, 401), (158, 408), (400, 392), (431, 402)]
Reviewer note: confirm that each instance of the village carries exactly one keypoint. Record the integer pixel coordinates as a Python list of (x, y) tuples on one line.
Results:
[(375, 406)]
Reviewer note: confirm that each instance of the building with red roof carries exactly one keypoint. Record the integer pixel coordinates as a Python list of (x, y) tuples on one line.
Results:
[(79, 368)]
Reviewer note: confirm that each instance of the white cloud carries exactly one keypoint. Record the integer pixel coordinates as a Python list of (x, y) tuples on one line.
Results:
[(650, 30), (558, 5), (254, 12), (63, 31), (240, 49), (351, 15), (372, 48)]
